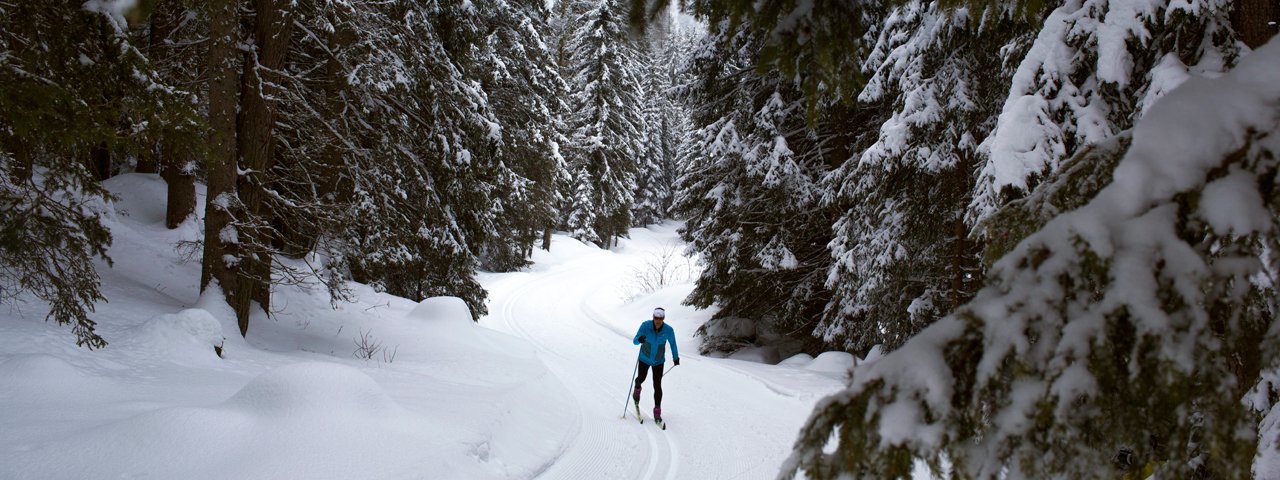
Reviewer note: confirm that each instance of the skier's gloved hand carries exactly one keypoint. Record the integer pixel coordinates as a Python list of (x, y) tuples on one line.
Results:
[(677, 362), (642, 339)]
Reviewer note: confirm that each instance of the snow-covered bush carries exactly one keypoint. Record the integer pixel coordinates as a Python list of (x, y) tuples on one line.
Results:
[(659, 270), (1119, 338)]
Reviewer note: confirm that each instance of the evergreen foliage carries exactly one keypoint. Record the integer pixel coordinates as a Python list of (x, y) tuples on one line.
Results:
[(425, 200), (401, 144), (749, 190), (901, 254), (607, 125), (69, 104), (1118, 339), (665, 124), (1094, 68), (526, 93)]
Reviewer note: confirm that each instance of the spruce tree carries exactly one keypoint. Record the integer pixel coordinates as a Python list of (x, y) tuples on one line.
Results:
[(426, 201), (750, 191), (665, 124), (1095, 67), (606, 123), (902, 252), (526, 93), (1117, 340)]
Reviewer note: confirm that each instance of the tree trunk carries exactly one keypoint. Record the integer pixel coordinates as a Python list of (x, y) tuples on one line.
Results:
[(22, 165), (176, 165), (272, 31), (1252, 20), (546, 239), (99, 162), (221, 252), (182, 188), (965, 257), (147, 163)]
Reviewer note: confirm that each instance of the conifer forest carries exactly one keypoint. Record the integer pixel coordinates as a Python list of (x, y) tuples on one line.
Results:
[(1055, 224)]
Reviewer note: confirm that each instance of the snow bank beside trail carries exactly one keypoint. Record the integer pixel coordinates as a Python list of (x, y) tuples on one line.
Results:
[(283, 424), (456, 400), (187, 337), (42, 378), (563, 248), (315, 390), (797, 360), (457, 348), (838, 363), (762, 354), (449, 312), (447, 322)]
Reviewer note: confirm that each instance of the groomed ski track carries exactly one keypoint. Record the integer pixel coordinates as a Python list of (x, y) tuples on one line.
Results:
[(728, 419)]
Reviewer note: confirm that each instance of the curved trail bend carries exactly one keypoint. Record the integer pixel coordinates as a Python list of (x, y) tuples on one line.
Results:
[(728, 419)]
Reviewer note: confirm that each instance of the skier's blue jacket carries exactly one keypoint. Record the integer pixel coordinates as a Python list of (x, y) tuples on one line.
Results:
[(654, 352)]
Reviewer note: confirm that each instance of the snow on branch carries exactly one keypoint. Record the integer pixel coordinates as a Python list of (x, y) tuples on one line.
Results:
[(1120, 338)]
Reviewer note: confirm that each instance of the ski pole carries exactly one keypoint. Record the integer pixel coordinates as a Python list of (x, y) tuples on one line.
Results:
[(629, 386)]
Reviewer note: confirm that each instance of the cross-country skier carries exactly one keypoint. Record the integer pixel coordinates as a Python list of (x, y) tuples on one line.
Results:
[(652, 338)]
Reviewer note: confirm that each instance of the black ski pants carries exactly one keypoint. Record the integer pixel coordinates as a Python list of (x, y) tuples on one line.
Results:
[(657, 381)]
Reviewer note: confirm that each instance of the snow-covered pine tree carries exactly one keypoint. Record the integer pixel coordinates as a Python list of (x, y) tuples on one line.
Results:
[(1119, 339), (901, 254), (665, 122), (326, 141), (1094, 68), (244, 96), (650, 191), (526, 93), (426, 204), (606, 123), (821, 44), (78, 97), (750, 192), (582, 210)]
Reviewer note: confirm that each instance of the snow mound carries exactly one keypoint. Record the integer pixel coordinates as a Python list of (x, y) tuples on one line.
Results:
[(731, 327), (444, 310), (146, 201), (875, 354), (765, 354), (832, 362), (189, 335), (44, 376), (313, 389), (799, 360), (454, 341), (307, 420), (563, 249)]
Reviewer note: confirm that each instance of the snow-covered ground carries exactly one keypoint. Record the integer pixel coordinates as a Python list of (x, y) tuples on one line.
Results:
[(536, 389)]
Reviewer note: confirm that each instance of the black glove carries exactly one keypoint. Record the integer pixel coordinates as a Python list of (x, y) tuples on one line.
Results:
[(642, 339), (677, 362)]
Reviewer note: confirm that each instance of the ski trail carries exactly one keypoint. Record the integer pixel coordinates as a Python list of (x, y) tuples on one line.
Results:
[(600, 444), (728, 420), (662, 449)]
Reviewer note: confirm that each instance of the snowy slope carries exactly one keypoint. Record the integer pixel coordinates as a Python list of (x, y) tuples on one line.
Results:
[(535, 389)]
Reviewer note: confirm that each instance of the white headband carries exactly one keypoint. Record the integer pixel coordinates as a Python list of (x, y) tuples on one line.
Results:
[(659, 313)]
